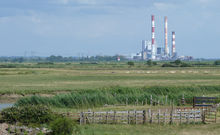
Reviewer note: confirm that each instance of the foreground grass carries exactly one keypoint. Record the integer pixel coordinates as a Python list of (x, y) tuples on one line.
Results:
[(209, 129)]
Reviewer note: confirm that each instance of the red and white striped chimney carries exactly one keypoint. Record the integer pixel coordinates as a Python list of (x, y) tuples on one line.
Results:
[(153, 29), (173, 43), (166, 39)]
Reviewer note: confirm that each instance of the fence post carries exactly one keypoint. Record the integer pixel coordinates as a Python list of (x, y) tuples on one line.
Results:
[(171, 116), (215, 116), (166, 100), (164, 115), (158, 116), (81, 118), (114, 117), (203, 116), (144, 116), (106, 117), (183, 100), (135, 117), (93, 117), (194, 102), (128, 117), (188, 116), (137, 102), (180, 116), (151, 100), (149, 116), (146, 101), (194, 115)]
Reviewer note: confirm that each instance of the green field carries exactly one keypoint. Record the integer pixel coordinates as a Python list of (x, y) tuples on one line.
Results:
[(94, 85), (212, 129), (61, 77)]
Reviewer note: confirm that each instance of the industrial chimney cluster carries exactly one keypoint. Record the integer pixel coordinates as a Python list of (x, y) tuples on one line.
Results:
[(150, 49)]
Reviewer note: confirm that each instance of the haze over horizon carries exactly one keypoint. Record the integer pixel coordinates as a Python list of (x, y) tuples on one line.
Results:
[(107, 27)]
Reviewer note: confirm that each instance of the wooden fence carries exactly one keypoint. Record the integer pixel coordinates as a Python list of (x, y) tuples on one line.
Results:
[(160, 116)]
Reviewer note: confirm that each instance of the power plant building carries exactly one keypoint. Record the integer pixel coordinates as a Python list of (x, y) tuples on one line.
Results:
[(150, 49)]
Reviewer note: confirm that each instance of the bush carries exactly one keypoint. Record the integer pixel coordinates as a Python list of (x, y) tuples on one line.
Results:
[(185, 65), (63, 126), (168, 65), (217, 62), (154, 63), (131, 63), (177, 62), (27, 114), (149, 62)]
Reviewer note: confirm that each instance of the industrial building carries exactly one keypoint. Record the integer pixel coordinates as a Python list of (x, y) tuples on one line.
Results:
[(150, 49)]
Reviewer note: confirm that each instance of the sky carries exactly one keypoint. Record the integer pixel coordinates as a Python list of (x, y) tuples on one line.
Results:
[(106, 27)]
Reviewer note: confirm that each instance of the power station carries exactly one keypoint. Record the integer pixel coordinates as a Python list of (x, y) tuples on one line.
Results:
[(150, 50)]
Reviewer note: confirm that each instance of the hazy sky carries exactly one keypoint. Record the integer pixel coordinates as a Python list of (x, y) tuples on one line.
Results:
[(71, 27)]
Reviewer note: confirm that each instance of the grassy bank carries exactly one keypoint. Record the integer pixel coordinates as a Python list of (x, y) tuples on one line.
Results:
[(122, 95)]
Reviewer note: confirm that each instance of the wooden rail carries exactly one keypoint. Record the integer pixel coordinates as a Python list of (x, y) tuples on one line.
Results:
[(160, 116)]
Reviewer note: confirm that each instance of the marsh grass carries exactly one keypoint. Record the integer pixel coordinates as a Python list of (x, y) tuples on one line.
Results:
[(121, 95)]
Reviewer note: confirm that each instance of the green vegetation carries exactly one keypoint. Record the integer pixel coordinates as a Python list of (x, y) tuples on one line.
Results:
[(177, 63), (60, 77), (212, 129), (217, 62), (121, 95), (63, 126), (131, 63), (27, 114), (68, 86)]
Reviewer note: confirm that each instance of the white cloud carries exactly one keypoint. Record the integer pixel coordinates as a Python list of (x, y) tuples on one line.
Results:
[(164, 6), (88, 2)]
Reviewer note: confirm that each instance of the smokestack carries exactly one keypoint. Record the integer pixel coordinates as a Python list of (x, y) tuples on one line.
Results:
[(153, 29), (173, 44), (166, 39), (153, 51)]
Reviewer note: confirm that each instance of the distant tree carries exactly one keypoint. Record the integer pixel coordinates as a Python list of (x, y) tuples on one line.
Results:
[(154, 63), (217, 62), (130, 63), (177, 62), (168, 65), (149, 62)]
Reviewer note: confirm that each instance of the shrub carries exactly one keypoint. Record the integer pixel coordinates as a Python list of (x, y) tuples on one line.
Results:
[(63, 126), (217, 62), (185, 65), (149, 62), (177, 62), (168, 65), (154, 63), (131, 63), (27, 114)]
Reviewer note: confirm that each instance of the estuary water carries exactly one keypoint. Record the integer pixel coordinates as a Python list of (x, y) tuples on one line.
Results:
[(5, 105)]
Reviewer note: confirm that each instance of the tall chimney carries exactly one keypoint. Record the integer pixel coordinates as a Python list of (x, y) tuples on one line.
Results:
[(166, 51), (153, 29), (173, 44), (153, 50)]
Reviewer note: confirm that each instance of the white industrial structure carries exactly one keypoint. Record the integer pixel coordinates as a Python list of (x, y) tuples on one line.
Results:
[(150, 49)]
